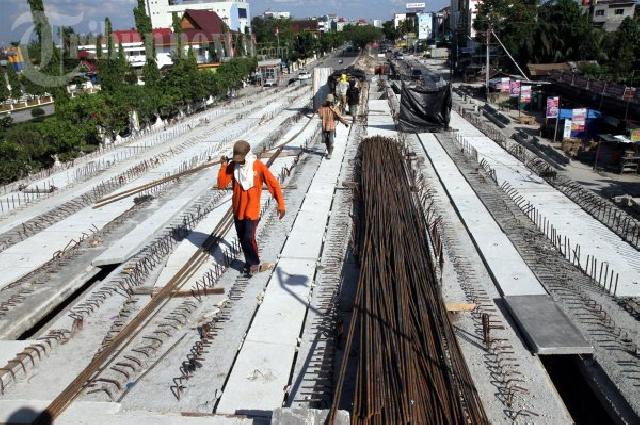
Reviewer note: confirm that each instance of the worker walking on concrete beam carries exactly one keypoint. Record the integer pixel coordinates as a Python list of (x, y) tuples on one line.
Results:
[(248, 174), (353, 98), (328, 115), (341, 91)]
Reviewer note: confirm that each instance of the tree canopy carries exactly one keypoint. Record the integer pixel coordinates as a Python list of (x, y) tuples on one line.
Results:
[(559, 31)]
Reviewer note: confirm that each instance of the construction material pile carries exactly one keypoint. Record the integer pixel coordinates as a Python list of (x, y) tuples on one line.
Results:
[(409, 365)]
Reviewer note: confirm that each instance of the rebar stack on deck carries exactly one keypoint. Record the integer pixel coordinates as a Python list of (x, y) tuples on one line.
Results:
[(409, 366)]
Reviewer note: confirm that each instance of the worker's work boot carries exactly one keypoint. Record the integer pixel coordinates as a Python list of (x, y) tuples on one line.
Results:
[(260, 268)]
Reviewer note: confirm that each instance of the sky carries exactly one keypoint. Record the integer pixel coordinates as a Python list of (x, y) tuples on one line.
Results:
[(88, 15)]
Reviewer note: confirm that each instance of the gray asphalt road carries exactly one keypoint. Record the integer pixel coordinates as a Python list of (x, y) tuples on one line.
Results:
[(25, 114)]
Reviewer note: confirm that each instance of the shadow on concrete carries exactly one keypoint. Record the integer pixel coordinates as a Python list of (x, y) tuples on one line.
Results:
[(197, 238), (26, 415), (469, 337)]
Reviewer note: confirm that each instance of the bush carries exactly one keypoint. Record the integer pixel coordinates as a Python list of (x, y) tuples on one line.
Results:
[(37, 112)]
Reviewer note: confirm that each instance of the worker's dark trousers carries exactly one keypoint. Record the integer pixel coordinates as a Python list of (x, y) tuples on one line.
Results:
[(246, 230), (327, 138)]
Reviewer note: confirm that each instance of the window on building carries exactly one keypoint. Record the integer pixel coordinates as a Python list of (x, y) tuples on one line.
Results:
[(600, 12), (242, 13), (619, 11)]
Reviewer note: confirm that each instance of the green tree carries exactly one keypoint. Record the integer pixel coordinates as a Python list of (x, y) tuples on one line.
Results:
[(99, 46), (513, 21), (14, 82), (108, 33), (177, 34), (40, 21), (67, 38), (363, 35), (4, 90), (144, 27), (625, 49), (150, 71), (561, 28), (389, 30)]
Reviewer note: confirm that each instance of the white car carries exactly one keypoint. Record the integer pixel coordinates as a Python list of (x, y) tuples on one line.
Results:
[(304, 75), (270, 82)]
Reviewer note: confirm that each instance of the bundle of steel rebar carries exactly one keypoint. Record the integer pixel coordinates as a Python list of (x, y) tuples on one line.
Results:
[(409, 366)]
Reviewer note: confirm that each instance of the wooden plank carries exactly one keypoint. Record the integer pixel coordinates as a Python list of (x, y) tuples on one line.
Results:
[(460, 307)]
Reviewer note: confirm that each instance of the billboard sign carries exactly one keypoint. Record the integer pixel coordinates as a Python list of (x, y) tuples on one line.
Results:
[(425, 26), (416, 5), (525, 94), (514, 88), (553, 102), (504, 84), (578, 121), (635, 135), (567, 129)]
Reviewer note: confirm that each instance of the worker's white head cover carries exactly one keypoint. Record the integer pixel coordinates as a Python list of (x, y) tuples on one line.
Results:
[(244, 173)]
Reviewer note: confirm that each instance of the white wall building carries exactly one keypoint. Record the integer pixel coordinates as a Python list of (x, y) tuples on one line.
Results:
[(609, 14), (377, 23), (235, 14), (398, 18), (276, 15), (463, 14)]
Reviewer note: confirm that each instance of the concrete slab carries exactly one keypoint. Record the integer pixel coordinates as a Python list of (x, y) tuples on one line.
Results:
[(509, 270), (9, 349), (568, 218), (286, 416), (547, 329), (127, 246), (258, 389), (105, 413)]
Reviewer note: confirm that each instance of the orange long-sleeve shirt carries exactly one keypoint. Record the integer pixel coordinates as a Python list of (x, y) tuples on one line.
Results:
[(246, 203)]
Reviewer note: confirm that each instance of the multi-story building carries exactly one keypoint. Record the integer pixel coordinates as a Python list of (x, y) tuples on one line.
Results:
[(270, 14), (202, 30), (609, 14), (235, 14), (462, 15), (398, 18)]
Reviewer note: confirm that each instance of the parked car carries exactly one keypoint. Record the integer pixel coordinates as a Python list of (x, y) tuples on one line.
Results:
[(270, 82), (416, 74), (304, 75)]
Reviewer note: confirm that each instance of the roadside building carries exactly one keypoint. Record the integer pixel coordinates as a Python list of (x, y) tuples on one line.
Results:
[(609, 14), (235, 14), (270, 14), (462, 14), (202, 30)]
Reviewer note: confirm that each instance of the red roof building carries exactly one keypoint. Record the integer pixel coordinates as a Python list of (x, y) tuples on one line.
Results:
[(160, 36), (202, 24)]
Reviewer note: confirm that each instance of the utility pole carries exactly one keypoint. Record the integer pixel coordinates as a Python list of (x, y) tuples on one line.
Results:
[(486, 80)]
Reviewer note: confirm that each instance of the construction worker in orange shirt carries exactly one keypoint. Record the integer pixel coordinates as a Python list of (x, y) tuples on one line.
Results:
[(248, 174)]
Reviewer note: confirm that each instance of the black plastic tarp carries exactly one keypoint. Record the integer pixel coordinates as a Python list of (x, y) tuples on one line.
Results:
[(424, 110)]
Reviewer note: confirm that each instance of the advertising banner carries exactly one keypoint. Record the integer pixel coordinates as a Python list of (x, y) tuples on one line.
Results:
[(578, 121), (425, 26), (514, 89), (552, 106), (567, 129), (416, 5), (525, 95), (635, 135), (504, 84)]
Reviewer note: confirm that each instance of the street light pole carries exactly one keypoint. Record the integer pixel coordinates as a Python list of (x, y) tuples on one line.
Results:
[(486, 80)]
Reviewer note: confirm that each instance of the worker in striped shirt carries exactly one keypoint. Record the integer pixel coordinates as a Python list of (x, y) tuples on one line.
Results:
[(328, 115)]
